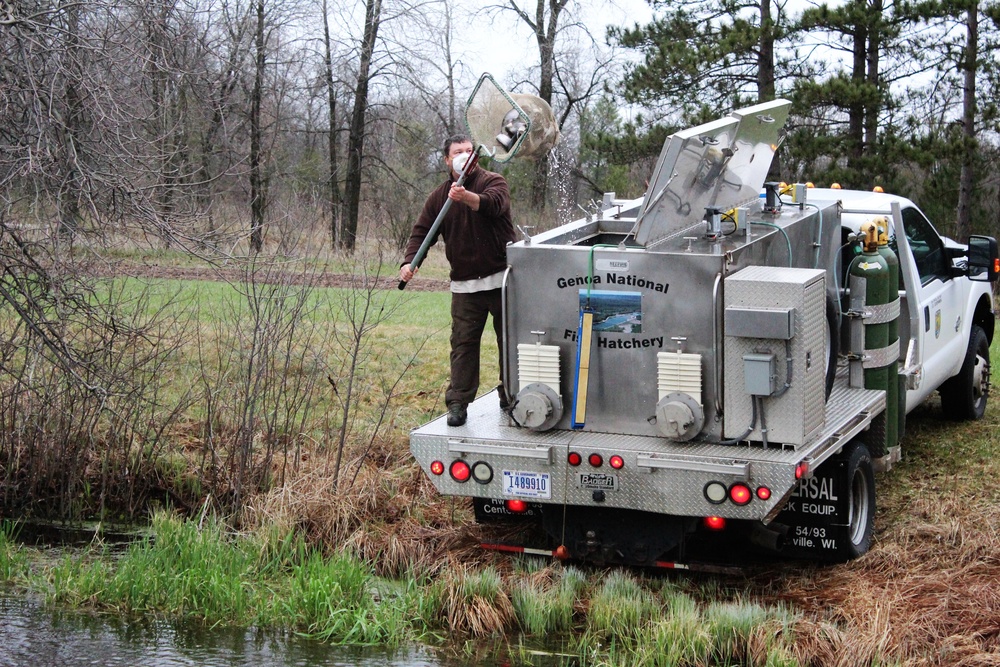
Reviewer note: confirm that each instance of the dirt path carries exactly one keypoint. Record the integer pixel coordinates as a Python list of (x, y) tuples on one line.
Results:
[(234, 275)]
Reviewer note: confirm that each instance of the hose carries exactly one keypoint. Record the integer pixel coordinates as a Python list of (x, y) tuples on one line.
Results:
[(745, 434), (783, 233)]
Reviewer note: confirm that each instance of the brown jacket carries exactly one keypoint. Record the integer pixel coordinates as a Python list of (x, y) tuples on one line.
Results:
[(475, 241)]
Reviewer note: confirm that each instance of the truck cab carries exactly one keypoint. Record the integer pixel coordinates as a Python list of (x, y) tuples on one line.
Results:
[(944, 296)]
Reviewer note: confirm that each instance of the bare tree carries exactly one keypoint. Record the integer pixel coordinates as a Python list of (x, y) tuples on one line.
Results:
[(547, 20), (258, 196), (334, 186), (356, 138), (544, 24)]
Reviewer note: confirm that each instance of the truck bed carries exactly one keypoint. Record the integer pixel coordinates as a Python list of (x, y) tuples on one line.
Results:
[(659, 475)]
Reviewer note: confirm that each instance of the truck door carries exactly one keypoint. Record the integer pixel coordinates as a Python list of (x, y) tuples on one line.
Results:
[(940, 302)]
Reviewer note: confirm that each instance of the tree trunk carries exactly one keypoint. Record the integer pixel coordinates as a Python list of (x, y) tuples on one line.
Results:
[(70, 186), (872, 104), (356, 137), (161, 128), (334, 189), (963, 220), (450, 71), (545, 35), (765, 73), (256, 180), (856, 107)]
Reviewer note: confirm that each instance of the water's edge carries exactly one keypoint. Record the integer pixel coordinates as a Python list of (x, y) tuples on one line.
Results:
[(30, 634)]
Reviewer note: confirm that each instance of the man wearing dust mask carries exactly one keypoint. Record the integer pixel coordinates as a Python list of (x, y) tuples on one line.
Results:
[(476, 230)]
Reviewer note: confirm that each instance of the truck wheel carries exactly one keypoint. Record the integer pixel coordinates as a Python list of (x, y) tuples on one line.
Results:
[(860, 477), (963, 397)]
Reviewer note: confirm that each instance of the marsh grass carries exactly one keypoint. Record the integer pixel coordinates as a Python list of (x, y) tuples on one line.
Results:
[(203, 572), (13, 559), (474, 602), (545, 600), (622, 607)]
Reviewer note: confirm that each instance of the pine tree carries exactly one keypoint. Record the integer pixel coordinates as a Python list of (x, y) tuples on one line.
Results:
[(706, 56)]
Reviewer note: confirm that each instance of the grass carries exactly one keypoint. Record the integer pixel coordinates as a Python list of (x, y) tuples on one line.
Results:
[(13, 560), (203, 572), (213, 306)]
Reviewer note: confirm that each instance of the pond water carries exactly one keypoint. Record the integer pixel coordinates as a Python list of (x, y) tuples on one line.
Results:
[(32, 636)]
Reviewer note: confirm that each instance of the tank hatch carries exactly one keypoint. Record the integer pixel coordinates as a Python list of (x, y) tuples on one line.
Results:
[(722, 164)]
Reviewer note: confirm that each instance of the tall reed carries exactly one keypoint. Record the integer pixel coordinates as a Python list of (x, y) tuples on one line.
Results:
[(622, 607), (545, 601), (13, 561)]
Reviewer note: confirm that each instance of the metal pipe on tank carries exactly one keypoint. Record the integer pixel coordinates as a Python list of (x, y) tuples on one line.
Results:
[(504, 341), (717, 342)]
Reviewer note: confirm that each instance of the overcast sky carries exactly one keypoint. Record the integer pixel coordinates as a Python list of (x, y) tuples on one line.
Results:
[(507, 46)]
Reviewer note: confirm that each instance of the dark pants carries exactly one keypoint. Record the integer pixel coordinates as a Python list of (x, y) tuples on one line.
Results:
[(468, 320)]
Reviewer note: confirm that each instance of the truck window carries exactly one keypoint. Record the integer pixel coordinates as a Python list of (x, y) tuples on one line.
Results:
[(927, 247)]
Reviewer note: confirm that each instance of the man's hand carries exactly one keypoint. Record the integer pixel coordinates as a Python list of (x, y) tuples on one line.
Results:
[(406, 273), (459, 194)]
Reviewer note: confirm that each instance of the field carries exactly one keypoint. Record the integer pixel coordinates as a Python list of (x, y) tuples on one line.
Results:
[(360, 549)]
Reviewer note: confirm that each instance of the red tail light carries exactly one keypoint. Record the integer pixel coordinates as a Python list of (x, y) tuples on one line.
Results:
[(617, 462), (516, 506), (437, 468), (574, 459), (714, 522), (596, 460), (763, 493), (459, 470), (740, 494)]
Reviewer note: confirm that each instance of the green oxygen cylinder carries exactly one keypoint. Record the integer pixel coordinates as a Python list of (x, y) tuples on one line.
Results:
[(895, 397), (869, 276)]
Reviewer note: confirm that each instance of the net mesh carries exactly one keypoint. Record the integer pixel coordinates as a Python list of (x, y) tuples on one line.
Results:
[(485, 114)]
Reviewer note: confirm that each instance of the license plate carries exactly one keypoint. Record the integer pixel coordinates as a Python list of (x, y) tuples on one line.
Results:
[(598, 480), (526, 484)]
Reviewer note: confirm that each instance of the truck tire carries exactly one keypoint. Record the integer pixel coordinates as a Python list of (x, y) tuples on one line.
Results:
[(963, 397), (860, 477)]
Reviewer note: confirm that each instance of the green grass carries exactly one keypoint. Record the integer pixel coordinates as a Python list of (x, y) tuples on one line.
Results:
[(272, 578), (622, 607), (547, 605), (204, 573), (13, 559)]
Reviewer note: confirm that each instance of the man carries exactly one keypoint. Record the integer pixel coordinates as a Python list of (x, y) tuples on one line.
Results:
[(476, 231)]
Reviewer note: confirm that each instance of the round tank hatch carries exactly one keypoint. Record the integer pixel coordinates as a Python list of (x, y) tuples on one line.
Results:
[(679, 416), (537, 407)]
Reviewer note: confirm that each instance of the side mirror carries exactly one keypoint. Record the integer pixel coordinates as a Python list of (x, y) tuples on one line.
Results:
[(984, 260)]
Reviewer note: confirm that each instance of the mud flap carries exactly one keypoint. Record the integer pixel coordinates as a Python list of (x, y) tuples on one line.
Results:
[(817, 514)]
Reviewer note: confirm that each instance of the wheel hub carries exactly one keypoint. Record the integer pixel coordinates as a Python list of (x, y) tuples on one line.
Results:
[(980, 378)]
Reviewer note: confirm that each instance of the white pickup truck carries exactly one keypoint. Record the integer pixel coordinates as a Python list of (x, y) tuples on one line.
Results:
[(704, 364)]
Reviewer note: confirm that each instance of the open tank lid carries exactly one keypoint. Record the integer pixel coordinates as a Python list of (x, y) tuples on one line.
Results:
[(722, 164)]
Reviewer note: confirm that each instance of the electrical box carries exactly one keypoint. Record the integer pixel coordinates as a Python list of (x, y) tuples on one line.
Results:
[(775, 334), (759, 376)]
